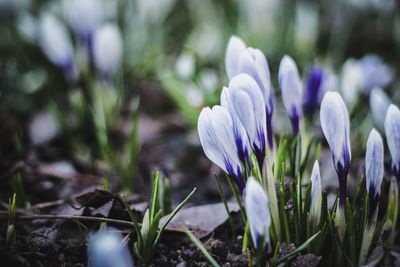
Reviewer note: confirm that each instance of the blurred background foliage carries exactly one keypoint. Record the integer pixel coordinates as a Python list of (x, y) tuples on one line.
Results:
[(175, 47)]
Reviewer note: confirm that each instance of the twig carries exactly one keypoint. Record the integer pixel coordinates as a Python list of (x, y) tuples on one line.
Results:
[(4, 216)]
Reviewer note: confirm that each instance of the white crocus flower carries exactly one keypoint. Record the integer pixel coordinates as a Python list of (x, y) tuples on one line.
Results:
[(215, 128), (107, 49), (253, 62), (351, 80), (56, 43), (232, 55), (244, 100), (106, 248), (316, 194), (84, 16), (374, 164), (392, 130), (292, 90), (379, 103), (258, 214), (335, 125)]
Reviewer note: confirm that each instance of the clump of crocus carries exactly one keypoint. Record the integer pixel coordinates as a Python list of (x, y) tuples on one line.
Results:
[(107, 50), (313, 90), (374, 167), (316, 196), (292, 91), (56, 44), (225, 147), (258, 216), (106, 248), (392, 130)]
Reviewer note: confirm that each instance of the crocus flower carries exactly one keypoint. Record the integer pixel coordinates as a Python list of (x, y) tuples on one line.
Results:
[(313, 90), (316, 194), (253, 62), (375, 73), (258, 214), (56, 43), (220, 143), (374, 169), (232, 55), (335, 124), (106, 249), (244, 100), (107, 49), (392, 130), (84, 16), (379, 103), (292, 90), (351, 80)]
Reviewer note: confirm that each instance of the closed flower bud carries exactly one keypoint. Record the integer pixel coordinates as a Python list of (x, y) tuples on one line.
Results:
[(106, 249), (216, 132), (253, 62), (374, 166), (232, 55), (56, 43), (379, 103), (335, 125), (258, 214), (313, 90), (244, 99), (392, 130), (316, 195), (292, 90), (107, 50)]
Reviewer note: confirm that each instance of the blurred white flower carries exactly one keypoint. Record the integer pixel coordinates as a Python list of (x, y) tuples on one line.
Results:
[(56, 42), (374, 164), (375, 73), (351, 80), (316, 194), (107, 49), (392, 131), (185, 66), (379, 103), (27, 26), (209, 80), (292, 90), (106, 249), (194, 95), (84, 16), (235, 48), (43, 128), (258, 214)]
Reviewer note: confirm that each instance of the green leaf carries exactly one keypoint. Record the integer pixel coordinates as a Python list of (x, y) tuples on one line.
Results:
[(200, 246)]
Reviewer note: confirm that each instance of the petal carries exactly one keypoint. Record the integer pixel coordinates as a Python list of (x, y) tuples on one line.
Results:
[(253, 62), (257, 210), (379, 103), (332, 122), (291, 86), (233, 51), (392, 130), (374, 162), (316, 192)]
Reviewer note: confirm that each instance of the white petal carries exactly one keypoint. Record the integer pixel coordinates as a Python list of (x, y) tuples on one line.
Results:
[(333, 123), (351, 80), (233, 51), (105, 249), (208, 138), (392, 130), (107, 49), (374, 161), (55, 41), (316, 193), (258, 214), (379, 103), (83, 15), (245, 83), (291, 85), (253, 62)]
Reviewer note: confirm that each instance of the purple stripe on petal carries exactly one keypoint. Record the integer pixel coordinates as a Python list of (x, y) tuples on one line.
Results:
[(294, 120), (237, 176), (269, 114)]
